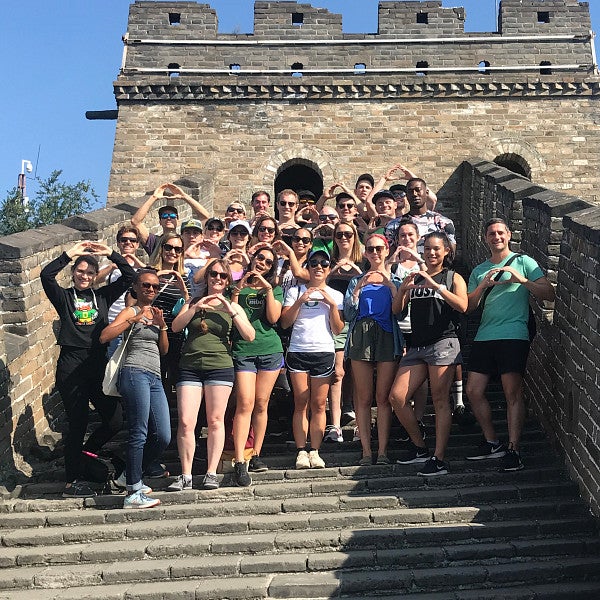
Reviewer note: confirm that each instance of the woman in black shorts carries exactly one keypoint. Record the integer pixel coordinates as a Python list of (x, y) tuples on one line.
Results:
[(436, 296)]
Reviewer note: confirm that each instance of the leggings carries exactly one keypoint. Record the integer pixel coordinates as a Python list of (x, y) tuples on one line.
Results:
[(79, 374)]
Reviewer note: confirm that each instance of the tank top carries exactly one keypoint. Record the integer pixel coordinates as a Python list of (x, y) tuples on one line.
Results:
[(431, 318)]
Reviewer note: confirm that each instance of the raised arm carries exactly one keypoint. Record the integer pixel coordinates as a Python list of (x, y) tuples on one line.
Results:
[(194, 204), (137, 220)]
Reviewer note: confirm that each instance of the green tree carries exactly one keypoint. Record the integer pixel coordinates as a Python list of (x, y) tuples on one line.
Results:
[(53, 202)]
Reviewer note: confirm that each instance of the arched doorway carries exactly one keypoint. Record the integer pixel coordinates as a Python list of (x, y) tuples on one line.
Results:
[(299, 174), (515, 163)]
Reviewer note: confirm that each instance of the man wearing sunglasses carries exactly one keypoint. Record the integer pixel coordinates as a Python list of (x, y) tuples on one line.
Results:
[(168, 215), (287, 204), (196, 252)]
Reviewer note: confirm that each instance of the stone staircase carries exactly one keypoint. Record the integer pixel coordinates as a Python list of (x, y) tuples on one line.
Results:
[(344, 531)]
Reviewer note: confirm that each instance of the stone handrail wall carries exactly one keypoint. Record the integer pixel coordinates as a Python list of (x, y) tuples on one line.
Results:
[(562, 233), (30, 410)]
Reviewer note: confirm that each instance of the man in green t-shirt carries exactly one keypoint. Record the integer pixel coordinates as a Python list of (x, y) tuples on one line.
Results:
[(501, 345)]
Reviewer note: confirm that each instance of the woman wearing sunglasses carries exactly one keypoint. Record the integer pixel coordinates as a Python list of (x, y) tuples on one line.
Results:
[(144, 328), (258, 362), (436, 296), (345, 261), (206, 370), (174, 289), (238, 237), (314, 311), (293, 266), (265, 231), (374, 344)]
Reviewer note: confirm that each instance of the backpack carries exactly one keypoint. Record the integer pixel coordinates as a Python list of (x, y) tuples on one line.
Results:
[(101, 469)]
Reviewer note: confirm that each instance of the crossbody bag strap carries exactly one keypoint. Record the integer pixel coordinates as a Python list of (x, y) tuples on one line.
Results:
[(497, 278)]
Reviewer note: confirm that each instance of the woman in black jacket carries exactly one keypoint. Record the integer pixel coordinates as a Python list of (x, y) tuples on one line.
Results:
[(83, 314)]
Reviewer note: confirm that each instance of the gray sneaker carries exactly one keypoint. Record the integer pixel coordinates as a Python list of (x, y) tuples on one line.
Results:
[(180, 484), (210, 482)]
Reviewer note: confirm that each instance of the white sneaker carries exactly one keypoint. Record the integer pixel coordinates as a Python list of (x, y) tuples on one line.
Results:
[(316, 462), (121, 482), (356, 436), (302, 460), (140, 500), (181, 483), (334, 434)]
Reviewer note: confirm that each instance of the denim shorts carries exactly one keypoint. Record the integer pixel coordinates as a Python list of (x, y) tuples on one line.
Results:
[(316, 364), (254, 364), (195, 378), (443, 353)]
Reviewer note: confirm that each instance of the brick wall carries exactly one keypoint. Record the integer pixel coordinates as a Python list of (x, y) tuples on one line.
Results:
[(562, 233), (29, 406)]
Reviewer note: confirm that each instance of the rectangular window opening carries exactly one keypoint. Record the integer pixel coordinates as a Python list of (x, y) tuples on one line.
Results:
[(543, 17), (174, 18), (297, 19), (423, 17)]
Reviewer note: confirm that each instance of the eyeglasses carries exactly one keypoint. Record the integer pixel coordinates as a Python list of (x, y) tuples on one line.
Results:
[(303, 240), (264, 259), (347, 205), (233, 209), (168, 216), (218, 228), (176, 249), (348, 235), (324, 218), (265, 229), (146, 285), (128, 240), (218, 274), (373, 249), (316, 262), (238, 232), (284, 203), (307, 201)]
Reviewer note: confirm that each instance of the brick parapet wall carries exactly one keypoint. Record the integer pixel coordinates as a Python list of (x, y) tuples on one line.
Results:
[(29, 405), (562, 233)]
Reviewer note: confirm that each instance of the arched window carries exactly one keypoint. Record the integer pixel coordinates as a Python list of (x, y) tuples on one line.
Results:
[(297, 69), (484, 67), (234, 68), (360, 68), (173, 69), (422, 64), (545, 68), (515, 163)]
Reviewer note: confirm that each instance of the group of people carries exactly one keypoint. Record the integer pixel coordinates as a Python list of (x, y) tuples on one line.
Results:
[(350, 303)]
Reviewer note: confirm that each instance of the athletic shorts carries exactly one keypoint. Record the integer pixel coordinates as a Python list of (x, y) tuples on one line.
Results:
[(443, 353), (195, 378), (339, 340), (254, 364), (496, 357), (316, 364), (370, 342)]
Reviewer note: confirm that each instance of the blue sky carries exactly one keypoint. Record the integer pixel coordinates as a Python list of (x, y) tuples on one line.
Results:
[(61, 58)]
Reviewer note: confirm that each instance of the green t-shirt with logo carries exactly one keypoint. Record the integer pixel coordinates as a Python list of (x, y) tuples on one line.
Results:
[(266, 340)]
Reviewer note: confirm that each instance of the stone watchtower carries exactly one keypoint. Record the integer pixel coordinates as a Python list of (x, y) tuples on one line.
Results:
[(297, 103)]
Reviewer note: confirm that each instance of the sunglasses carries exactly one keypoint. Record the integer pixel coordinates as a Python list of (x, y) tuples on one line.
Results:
[(168, 216), (303, 240), (316, 262), (176, 249), (284, 203), (128, 240), (218, 274), (324, 218), (218, 228), (264, 259), (373, 249), (305, 201), (232, 209), (346, 205), (238, 232), (265, 229), (146, 285), (348, 235)]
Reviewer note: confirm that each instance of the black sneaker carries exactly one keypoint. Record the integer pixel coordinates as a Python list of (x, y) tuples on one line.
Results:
[(434, 467), (240, 474), (78, 489), (403, 434), (511, 461), (257, 465), (415, 455), (488, 450)]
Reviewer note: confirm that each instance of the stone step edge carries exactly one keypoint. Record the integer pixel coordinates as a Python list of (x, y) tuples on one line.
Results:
[(331, 532), (333, 584)]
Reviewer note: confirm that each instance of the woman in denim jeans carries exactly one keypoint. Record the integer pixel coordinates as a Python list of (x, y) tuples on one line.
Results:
[(144, 330)]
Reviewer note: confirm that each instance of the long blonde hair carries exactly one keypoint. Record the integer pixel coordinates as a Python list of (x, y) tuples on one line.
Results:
[(166, 238)]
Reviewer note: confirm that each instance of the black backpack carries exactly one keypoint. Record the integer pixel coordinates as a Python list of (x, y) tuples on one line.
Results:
[(101, 469)]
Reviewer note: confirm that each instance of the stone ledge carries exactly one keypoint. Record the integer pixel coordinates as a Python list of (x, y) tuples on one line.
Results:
[(132, 90)]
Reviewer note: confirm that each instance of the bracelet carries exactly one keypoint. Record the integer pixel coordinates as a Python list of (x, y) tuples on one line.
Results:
[(440, 288), (129, 321), (164, 328), (235, 314), (420, 261)]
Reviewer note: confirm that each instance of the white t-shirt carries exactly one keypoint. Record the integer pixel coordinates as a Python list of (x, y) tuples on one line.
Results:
[(311, 331)]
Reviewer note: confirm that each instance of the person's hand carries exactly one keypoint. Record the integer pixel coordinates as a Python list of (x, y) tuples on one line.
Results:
[(260, 282), (325, 230), (346, 262), (313, 294), (515, 276), (134, 261), (329, 193), (237, 256), (327, 299), (282, 248), (406, 252), (160, 190), (258, 246), (79, 249), (158, 318)]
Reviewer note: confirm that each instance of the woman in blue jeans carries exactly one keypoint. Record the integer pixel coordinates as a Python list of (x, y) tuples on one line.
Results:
[(144, 330)]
